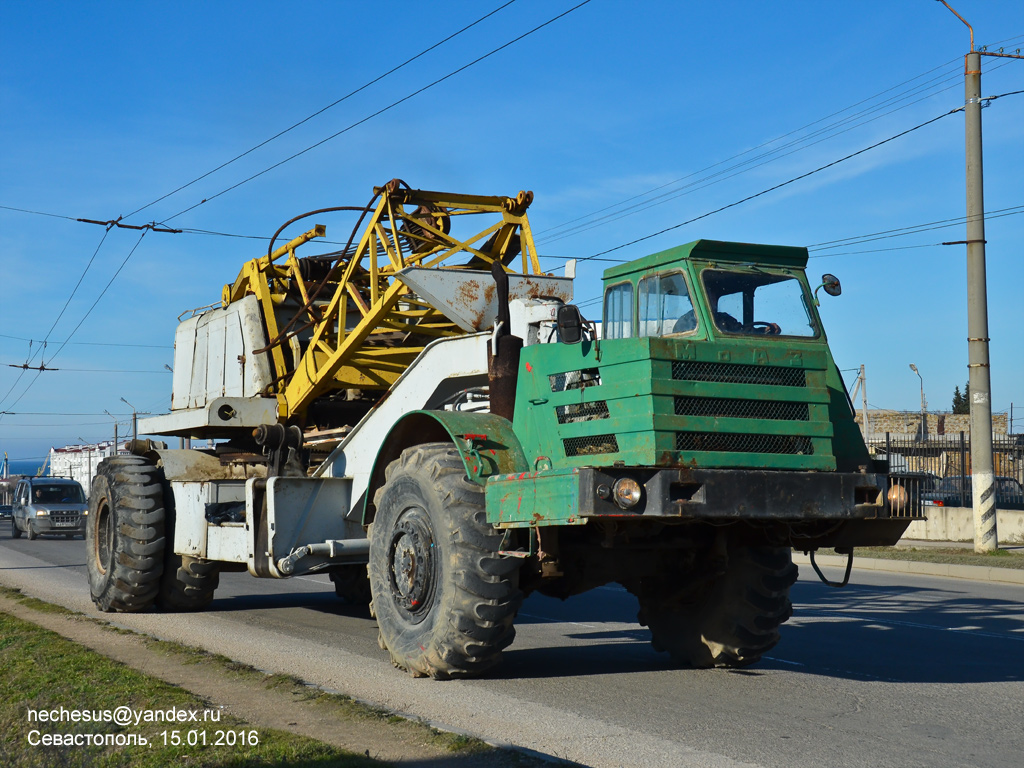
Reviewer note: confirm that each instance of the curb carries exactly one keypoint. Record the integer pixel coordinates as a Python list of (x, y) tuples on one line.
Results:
[(972, 572)]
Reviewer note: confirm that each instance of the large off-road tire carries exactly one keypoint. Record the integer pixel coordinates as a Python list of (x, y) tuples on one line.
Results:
[(732, 620), (352, 584), (124, 535), (188, 583), (443, 597)]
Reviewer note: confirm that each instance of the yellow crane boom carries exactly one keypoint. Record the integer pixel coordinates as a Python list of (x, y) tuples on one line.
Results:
[(346, 321)]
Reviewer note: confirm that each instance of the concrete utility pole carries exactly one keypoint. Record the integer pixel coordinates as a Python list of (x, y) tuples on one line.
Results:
[(982, 477), (115, 430), (135, 420)]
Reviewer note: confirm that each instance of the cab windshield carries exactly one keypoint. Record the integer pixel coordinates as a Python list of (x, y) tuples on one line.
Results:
[(758, 303)]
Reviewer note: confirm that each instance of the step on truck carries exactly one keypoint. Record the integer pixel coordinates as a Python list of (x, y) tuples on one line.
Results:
[(491, 443)]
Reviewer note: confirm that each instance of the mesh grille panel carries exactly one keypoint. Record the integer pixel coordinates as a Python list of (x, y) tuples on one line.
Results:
[(588, 377), (741, 409), (590, 445), (770, 375), (569, 414), (731, 443)]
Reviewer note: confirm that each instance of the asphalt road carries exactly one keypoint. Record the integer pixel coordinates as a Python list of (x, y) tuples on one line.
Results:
[(894, 670)]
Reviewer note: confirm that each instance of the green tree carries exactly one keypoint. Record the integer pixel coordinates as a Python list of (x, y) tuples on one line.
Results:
[(962, 403)]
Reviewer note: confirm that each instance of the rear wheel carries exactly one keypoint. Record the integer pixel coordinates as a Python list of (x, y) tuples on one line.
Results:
[(15, 530), (352, 584), (443, 597), (727, 622), (124, 534), (188, 583)]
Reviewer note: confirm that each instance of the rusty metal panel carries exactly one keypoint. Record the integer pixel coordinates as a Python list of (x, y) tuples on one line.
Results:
[(549, 497)]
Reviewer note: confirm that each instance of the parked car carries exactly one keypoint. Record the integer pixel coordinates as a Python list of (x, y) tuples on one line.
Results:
[(956, 492), (5, 510), (48, 505)]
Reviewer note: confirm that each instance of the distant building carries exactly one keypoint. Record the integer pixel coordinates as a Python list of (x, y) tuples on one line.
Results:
[(903, 423), (79, 462)]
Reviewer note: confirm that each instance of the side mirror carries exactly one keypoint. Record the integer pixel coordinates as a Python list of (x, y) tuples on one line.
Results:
[(570, 324), (831, 285)]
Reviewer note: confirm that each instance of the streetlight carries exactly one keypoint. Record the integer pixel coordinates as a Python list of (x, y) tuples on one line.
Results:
[(924, 405), (135, 420), (115, 429)]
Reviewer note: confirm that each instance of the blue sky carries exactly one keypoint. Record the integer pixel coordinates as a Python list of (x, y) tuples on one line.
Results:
[(106, 107)]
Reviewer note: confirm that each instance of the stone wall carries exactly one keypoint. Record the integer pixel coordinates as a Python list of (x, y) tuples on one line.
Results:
[(908, 423)]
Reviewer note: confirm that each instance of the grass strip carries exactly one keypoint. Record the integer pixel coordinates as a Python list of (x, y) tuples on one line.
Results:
[(338, 705), (40, 670)]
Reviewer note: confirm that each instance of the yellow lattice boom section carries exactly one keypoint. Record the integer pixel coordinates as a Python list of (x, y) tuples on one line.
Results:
[(358, 326)]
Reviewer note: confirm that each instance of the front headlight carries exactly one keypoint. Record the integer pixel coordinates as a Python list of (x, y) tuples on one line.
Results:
[(626, 492), (42, 512)]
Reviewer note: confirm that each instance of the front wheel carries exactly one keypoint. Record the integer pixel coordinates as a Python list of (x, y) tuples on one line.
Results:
[(31, 531), (124, 534), (729, 621), (443, 597)]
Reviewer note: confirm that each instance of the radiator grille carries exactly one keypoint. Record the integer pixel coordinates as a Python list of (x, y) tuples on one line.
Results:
[(741, 409), (726, 373), (590, 445), (733, 443), (570, 414)]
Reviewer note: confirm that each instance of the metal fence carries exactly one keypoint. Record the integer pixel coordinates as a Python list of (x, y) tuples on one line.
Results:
[(949, 457)]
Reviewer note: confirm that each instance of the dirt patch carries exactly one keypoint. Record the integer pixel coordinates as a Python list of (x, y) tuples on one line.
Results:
[(271, 701)]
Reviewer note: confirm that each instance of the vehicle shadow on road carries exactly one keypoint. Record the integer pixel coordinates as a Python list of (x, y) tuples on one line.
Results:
[(885, 633), (39, 567), (325, 602), (904, 634)]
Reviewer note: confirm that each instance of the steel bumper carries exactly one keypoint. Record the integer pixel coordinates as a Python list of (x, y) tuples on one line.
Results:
[(727, 494)]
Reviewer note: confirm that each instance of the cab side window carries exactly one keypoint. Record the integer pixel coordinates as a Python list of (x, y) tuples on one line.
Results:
[(618, 311), (665, 305)]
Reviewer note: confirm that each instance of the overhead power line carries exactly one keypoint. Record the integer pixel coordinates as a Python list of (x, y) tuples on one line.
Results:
[(92, 343), (320, 111), (37, 213), (47, 364), (381, 111), (703, 179), (911, 230), (772, 188), (100, 296), (588, 220)]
